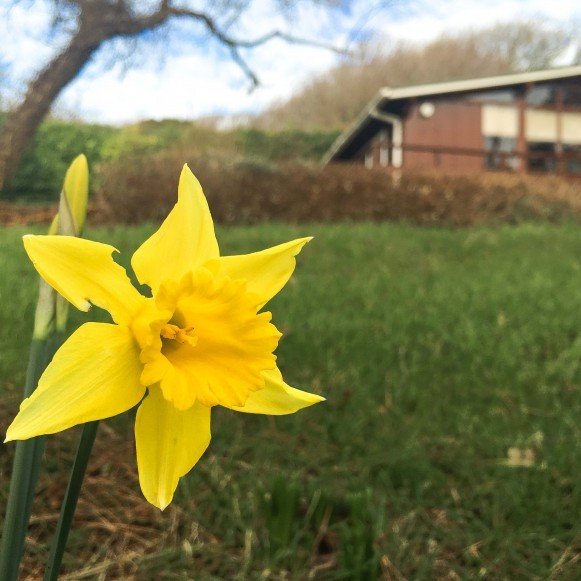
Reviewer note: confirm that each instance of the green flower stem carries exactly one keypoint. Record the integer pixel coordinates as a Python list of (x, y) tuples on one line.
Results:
[(69, 504), (26, 468)]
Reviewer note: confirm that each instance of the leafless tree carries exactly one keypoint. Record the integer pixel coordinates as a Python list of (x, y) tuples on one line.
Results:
[(90, 24), (333, 99)]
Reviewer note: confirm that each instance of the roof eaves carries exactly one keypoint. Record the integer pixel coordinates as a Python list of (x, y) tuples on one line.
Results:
[(467, 85), (346, 136)]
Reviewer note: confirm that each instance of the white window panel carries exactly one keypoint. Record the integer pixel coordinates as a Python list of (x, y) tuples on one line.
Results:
[(499, 121)]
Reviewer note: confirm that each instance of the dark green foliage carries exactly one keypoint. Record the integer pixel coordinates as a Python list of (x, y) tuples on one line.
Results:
[(357, 538), (284, 145), (280, 508), (56, 144), (296, 517)]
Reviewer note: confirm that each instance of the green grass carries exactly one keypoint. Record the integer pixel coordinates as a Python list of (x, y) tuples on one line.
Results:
[(438, 350)]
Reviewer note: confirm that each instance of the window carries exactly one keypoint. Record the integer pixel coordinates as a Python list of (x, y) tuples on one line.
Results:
[(369, 159), (383, 155), (548, 95), (498, 150), (384, 148), (502, 96), (573, 153), (572, 95), (542, 157), (541, 95)]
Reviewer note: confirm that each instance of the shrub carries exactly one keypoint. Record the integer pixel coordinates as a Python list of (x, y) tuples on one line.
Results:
[(246, 191), (284, 145), (57, 143), (53, 148)]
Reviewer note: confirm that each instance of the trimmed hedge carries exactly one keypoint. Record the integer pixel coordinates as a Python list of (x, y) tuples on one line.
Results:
[(246, 192)]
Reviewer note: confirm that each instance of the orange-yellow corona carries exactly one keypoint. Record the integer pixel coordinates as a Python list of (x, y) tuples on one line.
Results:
[(199, 341)]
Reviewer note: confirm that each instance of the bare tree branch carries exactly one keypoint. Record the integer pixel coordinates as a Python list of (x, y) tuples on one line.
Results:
[(246, 69), (230, 41), (97, 22), (234, 44)]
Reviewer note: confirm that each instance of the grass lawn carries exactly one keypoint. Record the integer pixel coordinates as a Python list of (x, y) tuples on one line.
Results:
[(448, 359)]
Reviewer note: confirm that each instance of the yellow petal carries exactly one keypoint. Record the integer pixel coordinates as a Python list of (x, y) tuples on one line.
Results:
[(169, 443), (94, 375), (82, 271), (265, 272), (185, 240), (277, 398)]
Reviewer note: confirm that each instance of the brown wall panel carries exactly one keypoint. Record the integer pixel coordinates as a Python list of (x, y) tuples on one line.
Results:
[(455, 123)]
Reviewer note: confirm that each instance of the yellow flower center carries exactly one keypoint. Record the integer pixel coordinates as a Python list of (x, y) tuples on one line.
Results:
[(204, 340), (187, 335)]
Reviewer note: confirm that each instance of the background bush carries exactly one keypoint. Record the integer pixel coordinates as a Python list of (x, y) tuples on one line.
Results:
[(57, 143), (243, 191)]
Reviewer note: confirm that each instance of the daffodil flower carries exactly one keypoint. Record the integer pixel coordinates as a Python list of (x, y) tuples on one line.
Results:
[(199, 341)]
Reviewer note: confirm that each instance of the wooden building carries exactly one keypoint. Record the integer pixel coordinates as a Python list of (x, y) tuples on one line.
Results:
[(525, 122)]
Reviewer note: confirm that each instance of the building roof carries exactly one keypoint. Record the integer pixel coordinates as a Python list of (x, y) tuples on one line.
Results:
[(479, 84), (388, 94)]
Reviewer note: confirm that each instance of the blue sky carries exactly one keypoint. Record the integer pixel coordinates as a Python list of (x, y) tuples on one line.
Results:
[(185, 76)]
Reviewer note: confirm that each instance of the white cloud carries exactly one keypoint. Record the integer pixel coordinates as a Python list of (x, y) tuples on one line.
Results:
[(24, 32), (443, 16), (202, 80), (191, 85)]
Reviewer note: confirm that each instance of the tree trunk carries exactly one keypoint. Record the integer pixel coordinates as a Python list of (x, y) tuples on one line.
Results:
[(98, 21), (22, 123)]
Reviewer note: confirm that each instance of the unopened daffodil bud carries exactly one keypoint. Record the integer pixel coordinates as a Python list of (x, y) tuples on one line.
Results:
[(70, 219), (51, 309)]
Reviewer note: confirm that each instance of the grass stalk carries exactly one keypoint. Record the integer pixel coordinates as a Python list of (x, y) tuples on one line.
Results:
[(70, 501), (26, 468)]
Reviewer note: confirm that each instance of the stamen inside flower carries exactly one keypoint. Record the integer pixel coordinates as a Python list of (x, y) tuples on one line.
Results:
[(187, 335)]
